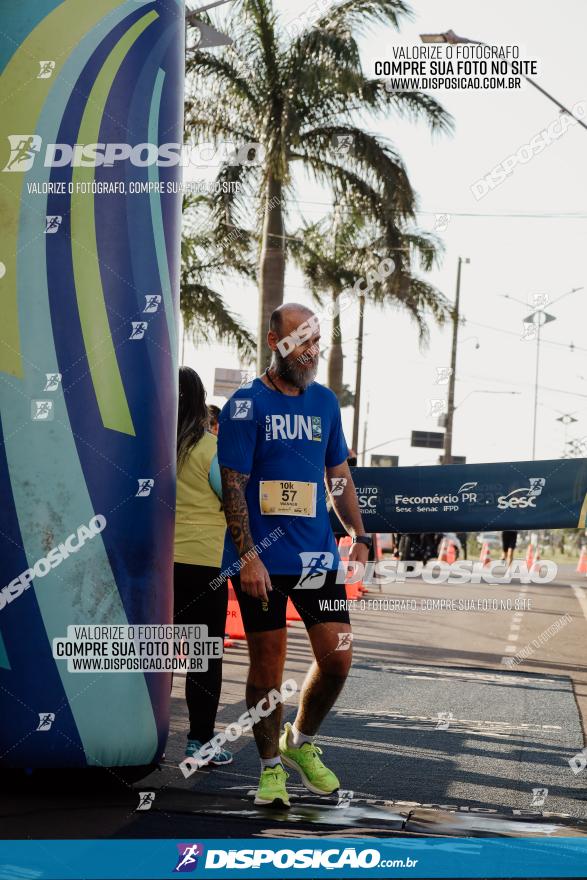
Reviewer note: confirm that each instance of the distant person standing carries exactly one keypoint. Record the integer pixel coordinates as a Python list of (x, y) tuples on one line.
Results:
[(462, 536), (199, 538), (508, 543), (213, 413)]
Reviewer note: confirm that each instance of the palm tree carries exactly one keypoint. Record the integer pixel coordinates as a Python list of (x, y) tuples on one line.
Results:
[(300, 97), (344, 250), (210, 249)]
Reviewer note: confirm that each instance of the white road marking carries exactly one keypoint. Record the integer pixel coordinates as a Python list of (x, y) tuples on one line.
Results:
[(446, 672), (399, 716), (580, 597), (513, 637)]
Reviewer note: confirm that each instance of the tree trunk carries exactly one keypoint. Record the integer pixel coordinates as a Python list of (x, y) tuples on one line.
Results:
[(271, 268), (335, 355)]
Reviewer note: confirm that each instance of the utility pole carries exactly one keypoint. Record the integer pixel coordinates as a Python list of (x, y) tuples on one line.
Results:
[(538, 319), (357, 410), (336, 358), (365, 435), (536, 375), (447, 456)]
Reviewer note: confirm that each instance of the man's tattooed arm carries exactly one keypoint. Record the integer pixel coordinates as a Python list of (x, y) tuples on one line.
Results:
[(235, 509), (254, 577)]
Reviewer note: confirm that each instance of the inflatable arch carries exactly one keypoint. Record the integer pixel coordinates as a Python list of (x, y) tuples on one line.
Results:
[(89, 280)]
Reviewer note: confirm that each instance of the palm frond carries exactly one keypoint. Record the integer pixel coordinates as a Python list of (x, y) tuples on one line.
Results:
[(358, 15), (206, 315)]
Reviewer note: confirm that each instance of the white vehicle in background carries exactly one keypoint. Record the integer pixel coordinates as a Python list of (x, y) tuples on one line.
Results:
[(493, 539)]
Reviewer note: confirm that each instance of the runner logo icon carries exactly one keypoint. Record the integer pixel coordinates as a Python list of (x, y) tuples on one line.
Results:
[(188, 856), (138, 329), (53, 381), (42, 410), (46, 69), (539, 796), (337, 485), (46, 719), (23, 149), (241, 409), (316, 564), (53, 223), (152, 302), (523, 497), (146, 800), (145, 486)]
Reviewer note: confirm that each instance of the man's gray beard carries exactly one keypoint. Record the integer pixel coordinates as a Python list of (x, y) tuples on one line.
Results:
[(292, 372)]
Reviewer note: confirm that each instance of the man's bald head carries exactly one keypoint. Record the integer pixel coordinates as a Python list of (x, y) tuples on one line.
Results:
[(287, 317)]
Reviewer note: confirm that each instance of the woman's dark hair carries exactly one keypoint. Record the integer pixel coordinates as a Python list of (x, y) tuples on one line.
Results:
[(213, 413), (192, 417)]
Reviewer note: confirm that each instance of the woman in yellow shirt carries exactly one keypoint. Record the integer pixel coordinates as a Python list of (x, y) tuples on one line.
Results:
[(199, 539)]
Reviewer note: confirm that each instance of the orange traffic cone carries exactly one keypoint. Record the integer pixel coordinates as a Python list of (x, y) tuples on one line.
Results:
[(291, 612), (353, 591), (582, 564), (530, 556), (228, 643), (485, 556), (536, 559), (234, 622)]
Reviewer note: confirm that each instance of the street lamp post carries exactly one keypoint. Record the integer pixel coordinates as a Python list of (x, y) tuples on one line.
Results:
[(538, 318), (450, 37), (447, 456), (566, 419), (208, 36)]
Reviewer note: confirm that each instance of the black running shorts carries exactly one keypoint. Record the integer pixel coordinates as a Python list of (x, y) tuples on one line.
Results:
[(326, 604)]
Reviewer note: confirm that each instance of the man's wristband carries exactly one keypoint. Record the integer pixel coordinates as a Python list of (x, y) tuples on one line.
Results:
[(367, 540)]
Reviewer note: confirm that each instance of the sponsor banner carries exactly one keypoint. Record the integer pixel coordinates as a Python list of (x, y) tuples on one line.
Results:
[(473, 497), (397, 857)]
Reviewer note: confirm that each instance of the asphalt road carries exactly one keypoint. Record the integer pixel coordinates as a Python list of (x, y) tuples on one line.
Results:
[(461, 718)]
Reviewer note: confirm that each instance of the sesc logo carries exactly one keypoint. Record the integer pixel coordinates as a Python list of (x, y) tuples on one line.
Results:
[(367, 497), (524, 497)]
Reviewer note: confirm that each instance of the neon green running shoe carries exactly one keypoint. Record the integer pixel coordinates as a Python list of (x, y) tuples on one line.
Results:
[(316, 777), (272, 788)]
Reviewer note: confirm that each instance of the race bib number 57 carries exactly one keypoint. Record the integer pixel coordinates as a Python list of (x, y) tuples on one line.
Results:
[(287, 498)]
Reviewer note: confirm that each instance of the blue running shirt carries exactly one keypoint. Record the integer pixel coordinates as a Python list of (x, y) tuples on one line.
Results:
[(274, 436)]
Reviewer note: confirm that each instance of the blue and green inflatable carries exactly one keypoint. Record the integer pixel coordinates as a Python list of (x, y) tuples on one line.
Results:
[(89, 280)]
